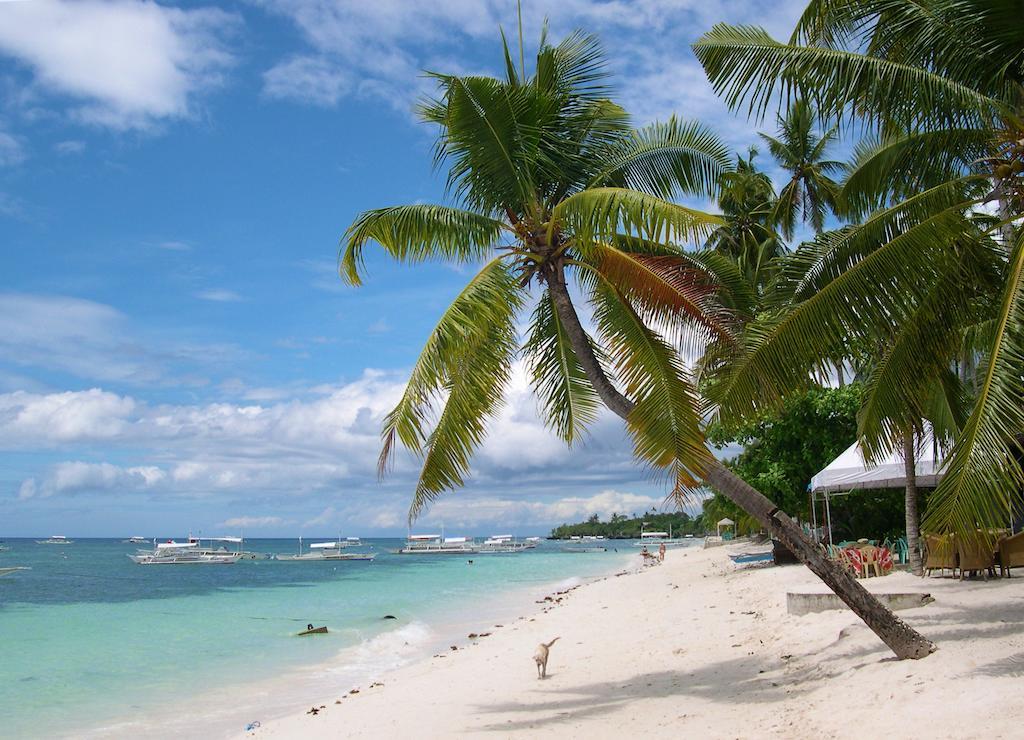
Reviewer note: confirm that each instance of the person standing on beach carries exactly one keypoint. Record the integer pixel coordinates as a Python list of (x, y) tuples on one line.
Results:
[(661, 553)]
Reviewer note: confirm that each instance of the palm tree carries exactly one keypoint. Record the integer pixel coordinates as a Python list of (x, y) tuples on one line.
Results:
[(554, 186), (747, 201), (941, 81), (810, 193)]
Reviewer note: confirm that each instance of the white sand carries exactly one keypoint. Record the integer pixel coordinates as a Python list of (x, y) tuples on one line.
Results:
[(699, 648)]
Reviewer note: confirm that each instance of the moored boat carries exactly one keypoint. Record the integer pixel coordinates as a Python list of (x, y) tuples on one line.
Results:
[(320, 551), (56, 539), (185, 553), (435, 544), (504, 543)]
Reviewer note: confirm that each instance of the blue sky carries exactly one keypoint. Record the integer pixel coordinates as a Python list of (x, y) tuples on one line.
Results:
[(176, 350)]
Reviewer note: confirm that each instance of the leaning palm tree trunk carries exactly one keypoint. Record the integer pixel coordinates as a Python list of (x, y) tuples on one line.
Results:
[(904, 641), (913, 519)]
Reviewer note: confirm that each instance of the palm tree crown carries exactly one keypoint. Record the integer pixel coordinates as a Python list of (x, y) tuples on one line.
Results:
[(550, 183)]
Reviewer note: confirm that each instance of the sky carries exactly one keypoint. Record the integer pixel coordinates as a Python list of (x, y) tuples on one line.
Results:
[(177, 352)]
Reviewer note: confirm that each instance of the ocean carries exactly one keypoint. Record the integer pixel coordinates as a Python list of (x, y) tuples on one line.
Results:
[(92, 644)]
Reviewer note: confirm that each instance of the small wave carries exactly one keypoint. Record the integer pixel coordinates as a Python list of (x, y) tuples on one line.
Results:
[(383, 652), (567, 583)]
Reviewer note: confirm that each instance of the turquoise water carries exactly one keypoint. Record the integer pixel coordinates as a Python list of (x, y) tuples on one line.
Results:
[(89, 638)]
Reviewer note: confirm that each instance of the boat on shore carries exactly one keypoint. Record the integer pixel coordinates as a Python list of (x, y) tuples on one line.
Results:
[(436, 544), (56, 539), (319, 551)]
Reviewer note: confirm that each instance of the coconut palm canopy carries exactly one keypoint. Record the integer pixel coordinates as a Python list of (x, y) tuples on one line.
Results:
[(552, 186), (925, 274)]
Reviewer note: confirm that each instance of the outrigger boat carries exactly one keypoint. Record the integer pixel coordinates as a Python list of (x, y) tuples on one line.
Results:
[(504, 543), (189, 553), (657, 539), (328, 551), (135, 540), (436, 544), (56, 539)]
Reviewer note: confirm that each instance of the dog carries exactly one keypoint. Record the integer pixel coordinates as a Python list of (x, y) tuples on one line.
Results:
[(541, 657)]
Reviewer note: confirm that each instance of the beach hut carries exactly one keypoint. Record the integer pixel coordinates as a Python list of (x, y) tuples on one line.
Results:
[(726, 523), (851, 472)]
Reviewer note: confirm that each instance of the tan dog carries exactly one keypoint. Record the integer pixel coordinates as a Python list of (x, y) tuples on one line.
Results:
[(541, 658)]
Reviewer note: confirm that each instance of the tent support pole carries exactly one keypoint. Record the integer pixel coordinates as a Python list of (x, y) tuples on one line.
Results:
[(828, 516)]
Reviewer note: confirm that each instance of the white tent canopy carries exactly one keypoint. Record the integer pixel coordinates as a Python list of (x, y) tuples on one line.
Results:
[(724, 523), (850, 471)]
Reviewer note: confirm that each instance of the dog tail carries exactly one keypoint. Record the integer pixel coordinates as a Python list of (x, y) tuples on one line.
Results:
[(549, 644)]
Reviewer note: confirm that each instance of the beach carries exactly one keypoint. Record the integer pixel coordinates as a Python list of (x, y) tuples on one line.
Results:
[(701, 647)]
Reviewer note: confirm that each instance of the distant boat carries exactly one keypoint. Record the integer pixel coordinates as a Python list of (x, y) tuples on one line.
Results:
[(4, 547), (657, 539), (56, 539), (504, 543), (320, 551), (579, 549), (9, 571), (436, 544), (136, 540)]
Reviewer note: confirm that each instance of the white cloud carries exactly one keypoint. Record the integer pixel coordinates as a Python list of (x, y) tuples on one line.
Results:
[(175, 246), (252, 522), (380, 48), (219, 295), (323, 445), (126, 64), (308, 79), (95, 341), (69, 147), (11, 150)]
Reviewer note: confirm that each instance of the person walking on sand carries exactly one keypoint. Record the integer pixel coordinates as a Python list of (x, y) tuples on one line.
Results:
[(661, 553)]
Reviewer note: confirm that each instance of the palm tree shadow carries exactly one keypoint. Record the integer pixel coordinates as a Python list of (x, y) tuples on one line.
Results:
[(721, 682)]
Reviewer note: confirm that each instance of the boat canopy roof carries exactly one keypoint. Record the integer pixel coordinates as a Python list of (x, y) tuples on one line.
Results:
[(352, 539), (172, 545), (501, 536), (226, 539), (322, 545), (425, 537), (654, 534), (456, 540)]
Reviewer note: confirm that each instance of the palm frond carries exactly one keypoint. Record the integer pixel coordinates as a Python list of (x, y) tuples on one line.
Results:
[(568, 402), (599, 215), (744, 63), (417, 233), (982, 481), (664, 159), (665, 423), (465, 363)]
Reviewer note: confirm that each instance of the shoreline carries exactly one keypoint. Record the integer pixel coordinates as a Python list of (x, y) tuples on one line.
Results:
[(699, 645), (228, 709)]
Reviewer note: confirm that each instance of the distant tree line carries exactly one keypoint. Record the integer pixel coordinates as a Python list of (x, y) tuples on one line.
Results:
[(620, 526)]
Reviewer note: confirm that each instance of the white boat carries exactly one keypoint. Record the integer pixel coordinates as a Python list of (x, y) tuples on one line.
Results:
[(56, 539), (136, 540), (328, 551), (9, 571), (504, 543), (436, 544), (533, 539), (187, 553), (657, 539)]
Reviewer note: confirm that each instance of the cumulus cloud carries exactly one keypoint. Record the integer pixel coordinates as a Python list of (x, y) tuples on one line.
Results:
[(126, 64), (305, 445)]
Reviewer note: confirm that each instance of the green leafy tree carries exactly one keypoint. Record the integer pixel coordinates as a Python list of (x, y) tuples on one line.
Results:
[(552, 185), (783, 449)]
